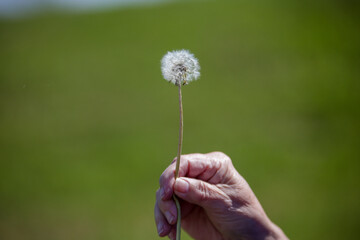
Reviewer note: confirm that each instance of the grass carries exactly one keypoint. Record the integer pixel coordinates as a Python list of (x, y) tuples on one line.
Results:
[(87, 124)]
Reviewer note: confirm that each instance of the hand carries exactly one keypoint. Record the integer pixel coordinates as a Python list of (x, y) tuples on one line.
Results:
[(216, 202)]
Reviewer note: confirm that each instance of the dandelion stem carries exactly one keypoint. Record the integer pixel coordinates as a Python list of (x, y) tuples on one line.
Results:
[(180, 134), (178, 224)]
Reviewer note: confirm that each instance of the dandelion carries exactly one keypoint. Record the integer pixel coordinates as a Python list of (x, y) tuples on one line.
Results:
[(179, 67)]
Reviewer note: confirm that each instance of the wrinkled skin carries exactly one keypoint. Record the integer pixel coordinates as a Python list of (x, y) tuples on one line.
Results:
[(216, 202)]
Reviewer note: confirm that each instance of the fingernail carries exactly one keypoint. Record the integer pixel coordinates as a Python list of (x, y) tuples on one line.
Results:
[(181, 186), (170, 217), (162, 193), (160, 228), (172, 235)]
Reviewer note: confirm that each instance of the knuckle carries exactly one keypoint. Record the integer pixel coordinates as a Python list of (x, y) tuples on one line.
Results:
[(218, 153), (225, 157), (220, 156), (165, 174), (210, 193), (156, 213), (204, 191), (162, 178), (157, 195)]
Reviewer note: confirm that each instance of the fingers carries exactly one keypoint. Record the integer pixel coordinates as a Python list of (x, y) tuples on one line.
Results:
[(200, 193), (163, 228), (172, 234), (165, 216), (167, 180), (207, 167), (167, 208), (212, 167)]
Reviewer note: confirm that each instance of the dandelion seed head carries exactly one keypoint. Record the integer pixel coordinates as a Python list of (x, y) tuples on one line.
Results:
[(180, 67)]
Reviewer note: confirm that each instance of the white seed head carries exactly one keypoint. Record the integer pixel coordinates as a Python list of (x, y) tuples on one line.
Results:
[(180, 67)]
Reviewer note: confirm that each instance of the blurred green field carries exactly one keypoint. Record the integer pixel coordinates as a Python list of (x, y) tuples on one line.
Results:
[(87, 124)]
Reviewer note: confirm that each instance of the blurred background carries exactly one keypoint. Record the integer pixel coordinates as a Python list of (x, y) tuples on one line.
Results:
[(87, 124)]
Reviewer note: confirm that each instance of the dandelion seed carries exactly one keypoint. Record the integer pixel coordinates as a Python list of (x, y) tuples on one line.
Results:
[(180, 67)]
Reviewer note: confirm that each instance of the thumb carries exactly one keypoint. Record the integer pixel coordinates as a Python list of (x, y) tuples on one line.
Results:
[(199, 192)]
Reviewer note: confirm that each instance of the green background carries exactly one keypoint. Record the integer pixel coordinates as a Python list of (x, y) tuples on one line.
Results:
[(87, 124)]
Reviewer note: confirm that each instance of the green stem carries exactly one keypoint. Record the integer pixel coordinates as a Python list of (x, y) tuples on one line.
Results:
[(180, 135), (178, 224)]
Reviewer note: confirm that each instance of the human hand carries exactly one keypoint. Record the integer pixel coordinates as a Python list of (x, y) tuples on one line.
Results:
[(216, 202)]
